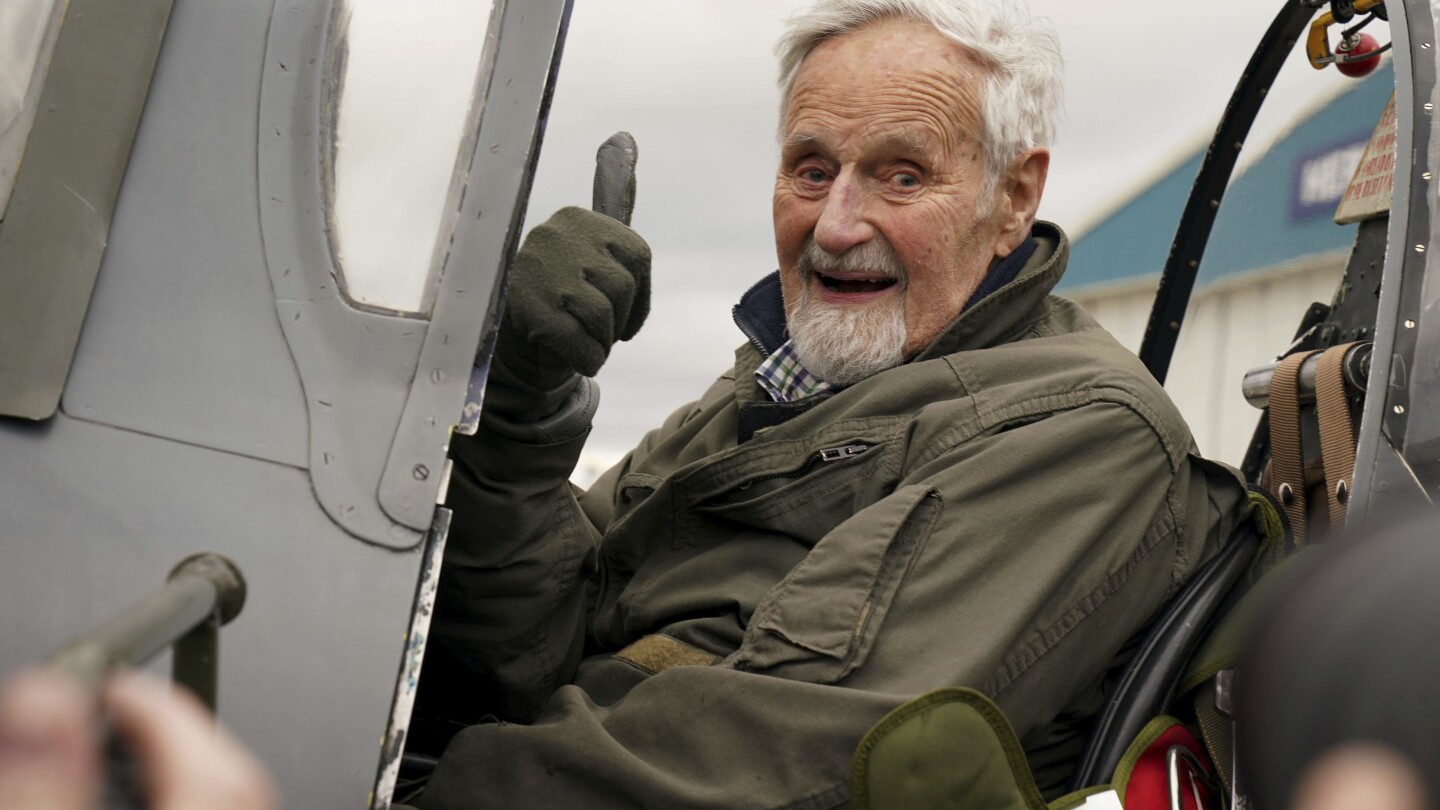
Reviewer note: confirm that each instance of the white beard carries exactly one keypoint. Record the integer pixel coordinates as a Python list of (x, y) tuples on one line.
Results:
[(844, 344)]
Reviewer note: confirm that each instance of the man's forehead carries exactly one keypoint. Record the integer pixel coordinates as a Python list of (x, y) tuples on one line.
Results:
[(886, 139)]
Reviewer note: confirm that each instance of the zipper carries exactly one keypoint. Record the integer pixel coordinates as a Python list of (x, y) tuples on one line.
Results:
[(826, 456), (837, 453), (750, 334)]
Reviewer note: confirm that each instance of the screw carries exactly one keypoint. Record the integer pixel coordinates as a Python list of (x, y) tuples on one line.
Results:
[(421, 472)]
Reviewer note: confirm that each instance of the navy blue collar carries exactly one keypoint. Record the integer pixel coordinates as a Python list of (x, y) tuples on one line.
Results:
[(761, 311)]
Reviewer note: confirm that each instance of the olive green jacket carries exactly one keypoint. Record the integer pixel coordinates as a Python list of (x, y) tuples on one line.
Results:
[(1013, 506)]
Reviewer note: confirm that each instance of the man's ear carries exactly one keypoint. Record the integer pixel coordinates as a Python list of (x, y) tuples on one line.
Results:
[(1018, 198)]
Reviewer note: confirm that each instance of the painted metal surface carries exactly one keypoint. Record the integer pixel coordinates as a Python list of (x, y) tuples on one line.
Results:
[(307, 671), (408, 682), (1396, 465), (226, 398), (58, 217), (355, 366), (203, 592), (490, 214), (182, 340)]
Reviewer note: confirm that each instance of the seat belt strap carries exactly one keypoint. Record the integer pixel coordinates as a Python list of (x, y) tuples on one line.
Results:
[(1337, 432), (1287, 480)]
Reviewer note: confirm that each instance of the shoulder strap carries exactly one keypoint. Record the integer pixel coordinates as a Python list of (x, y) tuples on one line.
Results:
[(1287, 465), (1337, 436)]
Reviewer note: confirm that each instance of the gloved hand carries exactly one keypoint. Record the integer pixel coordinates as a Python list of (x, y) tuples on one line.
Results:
[(580, 282)]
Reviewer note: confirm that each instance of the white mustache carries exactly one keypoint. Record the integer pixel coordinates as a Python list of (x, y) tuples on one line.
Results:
[(876, 256)]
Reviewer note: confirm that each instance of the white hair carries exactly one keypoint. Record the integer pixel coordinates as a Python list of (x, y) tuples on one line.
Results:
[(1022, 95)]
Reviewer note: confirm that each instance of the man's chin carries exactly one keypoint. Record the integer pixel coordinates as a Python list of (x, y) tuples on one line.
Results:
[(843, 346)]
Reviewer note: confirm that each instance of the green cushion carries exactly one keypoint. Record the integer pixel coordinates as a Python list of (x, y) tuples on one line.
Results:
[(951, 748)]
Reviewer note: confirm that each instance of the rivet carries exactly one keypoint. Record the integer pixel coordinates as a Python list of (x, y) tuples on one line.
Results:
[(1419, 248), (1287, 495), (1399, 409), (1174, 324), (1409, 324)]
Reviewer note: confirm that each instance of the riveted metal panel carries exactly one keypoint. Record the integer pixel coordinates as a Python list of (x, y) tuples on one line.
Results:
[(58, 219)]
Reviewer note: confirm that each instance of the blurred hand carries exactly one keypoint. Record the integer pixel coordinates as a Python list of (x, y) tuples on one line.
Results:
[(49, 745), (50, 742)]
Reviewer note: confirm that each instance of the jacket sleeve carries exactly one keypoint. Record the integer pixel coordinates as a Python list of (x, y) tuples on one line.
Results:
[(1017, 563), (509, 611)]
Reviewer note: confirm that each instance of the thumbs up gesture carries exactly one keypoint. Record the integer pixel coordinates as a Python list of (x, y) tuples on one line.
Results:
[(580, 282)]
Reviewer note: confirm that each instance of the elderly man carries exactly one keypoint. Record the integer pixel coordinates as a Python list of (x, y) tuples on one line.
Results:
[(922, 470)]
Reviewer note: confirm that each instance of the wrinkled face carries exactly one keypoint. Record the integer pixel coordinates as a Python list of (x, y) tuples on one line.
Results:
[(881, 169)]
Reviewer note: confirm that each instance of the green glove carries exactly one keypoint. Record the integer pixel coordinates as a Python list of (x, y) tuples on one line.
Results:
[(581, 281)]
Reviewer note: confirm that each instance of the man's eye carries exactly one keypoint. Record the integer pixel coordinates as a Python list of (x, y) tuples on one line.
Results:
[(813, 175), (905, 180)]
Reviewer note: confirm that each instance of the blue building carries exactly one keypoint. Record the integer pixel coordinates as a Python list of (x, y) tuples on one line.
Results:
[(1275, 249)]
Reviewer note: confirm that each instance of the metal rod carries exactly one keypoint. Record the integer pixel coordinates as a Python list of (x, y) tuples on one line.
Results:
[(1256, 385), (205, 589), (195, 661)]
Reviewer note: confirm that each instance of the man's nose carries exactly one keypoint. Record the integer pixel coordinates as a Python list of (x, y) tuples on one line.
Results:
[(842, 224)]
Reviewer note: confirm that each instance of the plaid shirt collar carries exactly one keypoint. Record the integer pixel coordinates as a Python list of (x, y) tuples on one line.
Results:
[(785, 379)]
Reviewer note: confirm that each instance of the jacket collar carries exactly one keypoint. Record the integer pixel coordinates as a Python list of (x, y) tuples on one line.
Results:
[(1003, 305), (1005, 314)]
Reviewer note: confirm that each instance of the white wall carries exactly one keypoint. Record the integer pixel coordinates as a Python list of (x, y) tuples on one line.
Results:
[(1231, 327)]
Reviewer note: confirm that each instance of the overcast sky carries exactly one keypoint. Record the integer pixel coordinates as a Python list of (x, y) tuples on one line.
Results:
[(694, 81)]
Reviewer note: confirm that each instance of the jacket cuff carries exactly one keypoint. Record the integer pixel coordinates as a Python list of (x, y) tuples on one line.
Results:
[(571, 421)]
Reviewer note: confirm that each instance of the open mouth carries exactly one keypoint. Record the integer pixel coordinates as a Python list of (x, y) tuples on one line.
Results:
[(855, 285)]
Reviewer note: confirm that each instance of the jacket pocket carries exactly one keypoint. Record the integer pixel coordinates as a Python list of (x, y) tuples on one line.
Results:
[(633, 489), (819, 623), (808, 497)]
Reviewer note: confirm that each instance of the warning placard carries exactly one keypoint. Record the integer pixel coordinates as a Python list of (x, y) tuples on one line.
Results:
[(1369, 192)]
